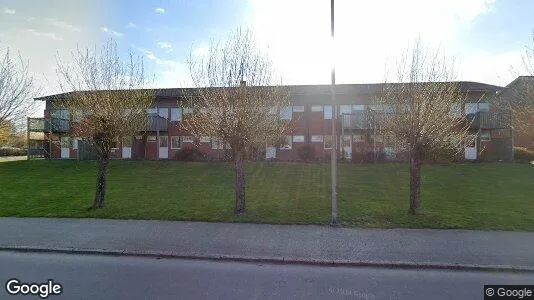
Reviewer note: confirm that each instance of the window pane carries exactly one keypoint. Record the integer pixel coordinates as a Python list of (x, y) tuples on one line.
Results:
[(483, 107), (176, 114), (152, 111), (286, 113), (471, 108), (298, 138), (345, 109), (317, 108), (164, 141), (317, 138), (327, 112), (298, 108), (328, 142), (175, 142), (163, 112), (358, 107)]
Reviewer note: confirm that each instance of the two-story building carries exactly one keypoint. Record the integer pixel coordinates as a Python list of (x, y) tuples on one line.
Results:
[(311, 115)]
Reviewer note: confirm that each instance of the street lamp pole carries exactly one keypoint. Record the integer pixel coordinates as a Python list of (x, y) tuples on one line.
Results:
[(334, 222)]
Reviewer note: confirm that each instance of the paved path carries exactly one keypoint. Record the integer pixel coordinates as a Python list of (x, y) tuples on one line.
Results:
[(102, 277), (290, 243)]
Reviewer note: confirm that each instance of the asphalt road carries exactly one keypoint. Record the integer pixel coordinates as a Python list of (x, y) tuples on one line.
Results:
[(106, 277)]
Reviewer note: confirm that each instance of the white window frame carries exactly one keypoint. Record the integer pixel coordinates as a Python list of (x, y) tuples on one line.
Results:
[(316, 108), (316, 138), (179, 142), (188, 139), (151, 138), (331, 141), (327, 112), (178, 116), (288, 143), (298, 139), (298, 108)]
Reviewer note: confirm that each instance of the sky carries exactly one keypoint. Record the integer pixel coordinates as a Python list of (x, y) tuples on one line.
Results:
[(485, 37)]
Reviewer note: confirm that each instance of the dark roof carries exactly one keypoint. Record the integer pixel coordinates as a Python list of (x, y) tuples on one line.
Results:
[(322, 89)]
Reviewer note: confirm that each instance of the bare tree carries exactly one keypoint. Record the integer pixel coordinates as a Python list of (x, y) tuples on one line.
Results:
[(16, 89), (521, 98), (237, 101), (416, 114), (106, 99)]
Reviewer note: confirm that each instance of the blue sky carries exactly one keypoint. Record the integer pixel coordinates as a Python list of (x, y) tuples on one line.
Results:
[(486, 37)]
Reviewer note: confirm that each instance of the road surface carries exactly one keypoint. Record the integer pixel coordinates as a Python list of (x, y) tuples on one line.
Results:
[(107, 277)]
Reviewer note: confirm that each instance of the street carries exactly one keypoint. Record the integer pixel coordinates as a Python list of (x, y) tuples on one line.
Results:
[(106, 277)]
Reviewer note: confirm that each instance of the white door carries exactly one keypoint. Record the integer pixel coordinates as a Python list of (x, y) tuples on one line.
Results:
[(65, 147), (270, 152), (347, 146), (471, 149), (163, 147), (127, 147)]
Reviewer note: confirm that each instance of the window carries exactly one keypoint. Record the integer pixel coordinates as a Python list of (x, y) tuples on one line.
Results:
[(175, 142), (60, 114), (74, 143), (327, 112), (127, 142), (298, 108), (317, 138), (286, 143), (152, 111), (286, 113), (217, 143), (346, 141), (176, 114), (317, 108), (471, 108), (164, 141), (483, 107), (298, 139), (485, 135), (345, 109), (358, 107), (205, 139), (163, 112), (188, 110), (188, 139), (328, 142), (151, 138)]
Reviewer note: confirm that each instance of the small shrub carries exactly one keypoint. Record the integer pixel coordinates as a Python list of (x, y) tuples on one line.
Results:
[(523, 154), (12, 151), (306, 153), (190, 154)]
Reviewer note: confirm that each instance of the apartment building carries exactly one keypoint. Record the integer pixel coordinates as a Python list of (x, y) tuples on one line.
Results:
[(311, 116)]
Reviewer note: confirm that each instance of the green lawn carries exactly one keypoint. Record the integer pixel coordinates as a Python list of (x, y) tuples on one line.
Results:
[(476, 196)]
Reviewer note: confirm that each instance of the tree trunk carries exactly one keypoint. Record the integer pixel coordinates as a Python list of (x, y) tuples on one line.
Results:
[(415, 181), (239, 184), (101, 182)]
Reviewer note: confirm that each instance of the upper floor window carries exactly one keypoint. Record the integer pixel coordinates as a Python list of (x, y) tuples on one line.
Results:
[(60, 113), (298, 108), (152, 111), (345, 109), (163, 112), (358, 107), (298, 138), (327, 112), (316, 108), (176, 114), (286, 113)]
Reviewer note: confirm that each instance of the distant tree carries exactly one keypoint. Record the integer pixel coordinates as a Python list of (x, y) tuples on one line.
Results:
[(106, 98), (416, 114), (16, 89), (237, 102)]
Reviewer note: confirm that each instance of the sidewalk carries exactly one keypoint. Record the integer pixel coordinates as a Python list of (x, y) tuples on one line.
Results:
[(405, 248)]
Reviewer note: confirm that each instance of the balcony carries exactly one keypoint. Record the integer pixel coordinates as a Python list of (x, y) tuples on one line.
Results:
[(53, 125), (157, 123), (490, 120)]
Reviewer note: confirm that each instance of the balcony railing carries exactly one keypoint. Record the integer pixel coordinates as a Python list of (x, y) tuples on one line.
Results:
[(157, 123), (48, 125), (489, 120)]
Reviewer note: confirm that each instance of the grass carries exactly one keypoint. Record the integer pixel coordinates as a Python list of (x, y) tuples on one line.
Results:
[(495, 196)]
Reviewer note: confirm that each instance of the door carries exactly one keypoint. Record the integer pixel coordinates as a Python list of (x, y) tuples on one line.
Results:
[(65, 147), (347, 146), (127, 147), (471, 149), (163, 152), (270, 152)]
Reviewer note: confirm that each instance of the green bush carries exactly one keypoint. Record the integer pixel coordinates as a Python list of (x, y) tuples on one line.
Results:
[(12, 151), (523, 154)]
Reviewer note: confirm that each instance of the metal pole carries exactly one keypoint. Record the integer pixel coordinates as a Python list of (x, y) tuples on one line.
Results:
[(334, 222), (28, 137)]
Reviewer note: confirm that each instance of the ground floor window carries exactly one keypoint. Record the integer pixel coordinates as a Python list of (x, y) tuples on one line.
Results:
[(298, 138), (175, 142), (164, 141), (286, 143), (328, 142), (317, 138)]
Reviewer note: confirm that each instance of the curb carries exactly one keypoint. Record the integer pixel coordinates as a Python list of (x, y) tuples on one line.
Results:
[(274, 259)]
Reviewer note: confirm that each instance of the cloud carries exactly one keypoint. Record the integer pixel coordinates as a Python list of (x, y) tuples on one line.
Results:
[(201, 51), (131, 25), (111, 32), (62, 24), (165, 46), (159, 10), (367, 35), (50, 35), (9, 11)]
